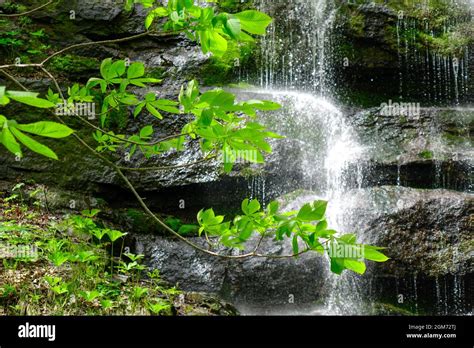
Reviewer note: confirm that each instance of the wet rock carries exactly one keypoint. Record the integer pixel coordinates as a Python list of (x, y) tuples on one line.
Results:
[(430, 149), (252, 281), (427, 232), (202, 304)]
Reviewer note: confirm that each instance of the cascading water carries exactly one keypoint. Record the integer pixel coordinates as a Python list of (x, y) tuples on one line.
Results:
[(295, 70), (445, 76), (296, 51)]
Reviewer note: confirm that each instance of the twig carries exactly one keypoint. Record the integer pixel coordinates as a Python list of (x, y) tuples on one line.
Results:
[(103, 42), (11, 77), (27, 12), (118, 169)]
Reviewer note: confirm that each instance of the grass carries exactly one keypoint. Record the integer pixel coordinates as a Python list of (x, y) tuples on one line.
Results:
[(71, 269)]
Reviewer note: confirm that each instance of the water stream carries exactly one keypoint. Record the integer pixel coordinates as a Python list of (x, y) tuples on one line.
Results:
[(296, 70)]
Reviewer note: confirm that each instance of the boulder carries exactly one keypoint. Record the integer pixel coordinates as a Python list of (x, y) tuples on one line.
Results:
[(248, 282), (430, 149), (425, 232)]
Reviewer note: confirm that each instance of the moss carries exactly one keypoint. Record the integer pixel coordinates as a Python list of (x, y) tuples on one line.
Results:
[(11, 7), (452, 43), (72, 64), (390, 309), (156, 73), (426, 154), (453, 139), (357, 24), (233, 6), (221, 71), (422, 26)]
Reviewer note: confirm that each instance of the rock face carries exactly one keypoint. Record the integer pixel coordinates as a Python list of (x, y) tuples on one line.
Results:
[(430, 234), (391, 50), (430, 148), (426, 232), (249, 282), (172, 58)]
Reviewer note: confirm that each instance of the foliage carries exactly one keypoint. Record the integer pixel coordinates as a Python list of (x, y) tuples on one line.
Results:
[(72, 268), (12, 133), (305, 228), (225, 128), (203, 25)]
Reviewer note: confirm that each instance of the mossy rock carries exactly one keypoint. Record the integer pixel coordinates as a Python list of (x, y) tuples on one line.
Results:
[(390, 309)]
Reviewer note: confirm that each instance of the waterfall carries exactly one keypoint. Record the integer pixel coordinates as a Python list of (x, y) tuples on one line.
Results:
[(295, 53), (445, 77), (295, 70)]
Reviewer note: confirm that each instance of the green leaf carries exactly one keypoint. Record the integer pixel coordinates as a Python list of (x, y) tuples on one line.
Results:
[(188, 229), (337, 265), (217, 44), (157, 12), (254, 22), (33, 145), (146, 132), (114, 235), (3, 98), (312, 212), (321, 227), (95, 81), (117, 69), (153, 111), (295, 245), (263, 105), (218, 98), (273, 208), (253, 206), (373, 255), (246, 229), (104, 67), (161, 11), (138, 109), (31, 99), (46, 129), (166, 105), (9, 141), (250, 207), (149, 19), (349, 238), (135, 70), (232, 28), (319, 209), (354, 265), (90, 213)]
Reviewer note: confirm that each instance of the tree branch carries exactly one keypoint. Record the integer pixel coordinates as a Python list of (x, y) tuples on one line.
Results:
[(104, 42), (118, 169), (27, 12)]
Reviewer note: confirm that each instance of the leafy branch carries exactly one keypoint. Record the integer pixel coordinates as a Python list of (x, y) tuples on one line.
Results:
[(217, 121)]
